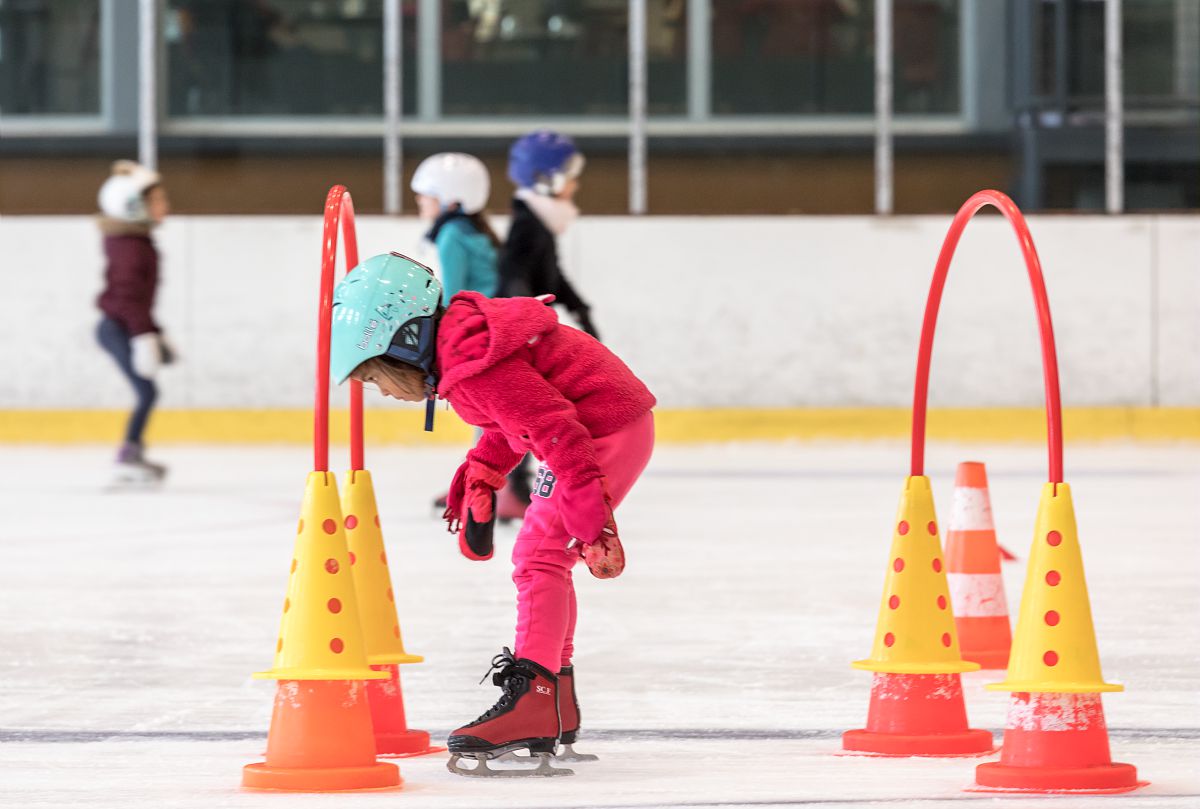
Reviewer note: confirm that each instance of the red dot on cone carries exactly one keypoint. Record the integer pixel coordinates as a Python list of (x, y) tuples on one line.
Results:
[(894, 602), (331, 565), (1050, 658), (352, 557), (329, 526), (898, 565), (1053, 577), (390, 596), (300, 527), (376, 520), (396, 630), (1054, 538), (351, 522), (937, 565), (902, 528), (946, 640), (336, 646), (941, 602), (889, 639), (1052, 618), (932, 528), (335, 605), (383, 557)]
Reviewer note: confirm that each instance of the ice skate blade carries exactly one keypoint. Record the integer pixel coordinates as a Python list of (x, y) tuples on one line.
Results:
[(567, 756), (482, 770)]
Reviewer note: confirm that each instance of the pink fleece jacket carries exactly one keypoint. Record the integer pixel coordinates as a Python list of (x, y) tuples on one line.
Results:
[(506, 365)]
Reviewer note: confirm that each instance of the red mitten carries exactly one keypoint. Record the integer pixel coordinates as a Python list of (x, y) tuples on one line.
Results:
[(600, 547), (471, 508), (584, 508)]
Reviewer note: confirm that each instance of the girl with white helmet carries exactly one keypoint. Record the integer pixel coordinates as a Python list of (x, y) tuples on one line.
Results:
[(452, 190), (132, 202)]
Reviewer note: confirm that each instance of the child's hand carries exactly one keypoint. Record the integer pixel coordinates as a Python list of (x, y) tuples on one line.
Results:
[(471, 508), (146, 354), (604, 554), (585, 509)]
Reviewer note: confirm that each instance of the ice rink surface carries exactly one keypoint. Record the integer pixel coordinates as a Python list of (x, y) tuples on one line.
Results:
[(715, 672)]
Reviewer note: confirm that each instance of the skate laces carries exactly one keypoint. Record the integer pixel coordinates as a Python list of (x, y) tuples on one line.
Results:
[(509, 676)]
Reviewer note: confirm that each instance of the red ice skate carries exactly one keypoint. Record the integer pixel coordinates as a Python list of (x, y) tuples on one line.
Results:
[(568, 712), (524, 718)]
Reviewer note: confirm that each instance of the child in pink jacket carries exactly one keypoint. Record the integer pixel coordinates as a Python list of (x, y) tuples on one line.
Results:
[(507, 366)]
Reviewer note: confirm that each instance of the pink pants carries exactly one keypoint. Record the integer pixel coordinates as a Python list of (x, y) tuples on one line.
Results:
[(542, 563)]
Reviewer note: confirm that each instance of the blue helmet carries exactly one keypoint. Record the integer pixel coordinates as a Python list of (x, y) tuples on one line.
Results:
[(544, 160)]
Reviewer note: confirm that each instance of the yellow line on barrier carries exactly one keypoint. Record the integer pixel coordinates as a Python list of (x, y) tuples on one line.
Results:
[(404, 426)]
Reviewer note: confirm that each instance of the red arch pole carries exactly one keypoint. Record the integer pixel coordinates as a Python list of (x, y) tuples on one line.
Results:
[(1045, 328), (339, 210)]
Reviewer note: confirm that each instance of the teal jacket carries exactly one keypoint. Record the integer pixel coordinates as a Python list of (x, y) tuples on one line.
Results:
[(467, 256)]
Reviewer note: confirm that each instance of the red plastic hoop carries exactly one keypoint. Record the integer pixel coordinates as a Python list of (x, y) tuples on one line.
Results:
[(339, 209), (1045, 328)]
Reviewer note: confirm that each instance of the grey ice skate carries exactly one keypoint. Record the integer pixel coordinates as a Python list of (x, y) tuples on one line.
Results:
[(132, 469)]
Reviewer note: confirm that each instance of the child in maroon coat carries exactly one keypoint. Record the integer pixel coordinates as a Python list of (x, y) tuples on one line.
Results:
[(132, 201), (507, 365)]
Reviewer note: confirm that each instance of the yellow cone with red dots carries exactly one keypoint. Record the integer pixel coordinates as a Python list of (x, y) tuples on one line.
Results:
[(917, 706), (320, 637), (381, 627), (1054, 647), (915, 633), (1055, 738), (372, 580)]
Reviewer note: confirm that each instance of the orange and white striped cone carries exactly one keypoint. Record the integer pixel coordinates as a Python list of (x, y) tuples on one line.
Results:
[(973, 572)]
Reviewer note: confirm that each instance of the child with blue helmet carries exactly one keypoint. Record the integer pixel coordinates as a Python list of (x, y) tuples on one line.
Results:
[(545, 166)]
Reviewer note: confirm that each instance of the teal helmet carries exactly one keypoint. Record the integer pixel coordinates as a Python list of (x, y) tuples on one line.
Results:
[(386, 306)]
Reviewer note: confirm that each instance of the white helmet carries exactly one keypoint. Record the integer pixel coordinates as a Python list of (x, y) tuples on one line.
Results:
[(452, 177), (122, 195)]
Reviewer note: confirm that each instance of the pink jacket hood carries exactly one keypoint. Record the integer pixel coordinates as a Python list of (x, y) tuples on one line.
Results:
[(478, 332)]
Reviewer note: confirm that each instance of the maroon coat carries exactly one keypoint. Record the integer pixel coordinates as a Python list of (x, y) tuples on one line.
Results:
[(130, 282), (533, 385)]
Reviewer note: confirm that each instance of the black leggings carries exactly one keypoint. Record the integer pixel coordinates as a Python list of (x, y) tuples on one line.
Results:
[(115, 340)]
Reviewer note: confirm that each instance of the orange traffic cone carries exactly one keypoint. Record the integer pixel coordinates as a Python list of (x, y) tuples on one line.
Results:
[(320, 741), (1055, 739), (917, 704), (973, 572), (320, 738), (381, 627)]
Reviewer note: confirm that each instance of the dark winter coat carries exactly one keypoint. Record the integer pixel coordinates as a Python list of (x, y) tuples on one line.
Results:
[(130, 277), (529, 262)]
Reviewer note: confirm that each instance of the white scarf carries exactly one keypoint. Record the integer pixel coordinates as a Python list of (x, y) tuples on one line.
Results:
[(556, 214)]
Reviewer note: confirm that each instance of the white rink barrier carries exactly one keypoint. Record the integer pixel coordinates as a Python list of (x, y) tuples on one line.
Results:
[(710, 311)]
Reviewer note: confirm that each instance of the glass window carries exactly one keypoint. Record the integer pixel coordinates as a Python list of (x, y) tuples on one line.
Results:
[(774, 57), (1160, 59), (558, 57), (281, 57), (1161, 41), (50, 57)]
